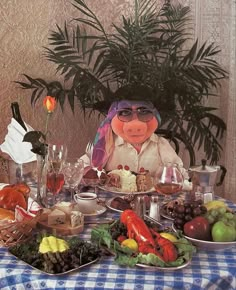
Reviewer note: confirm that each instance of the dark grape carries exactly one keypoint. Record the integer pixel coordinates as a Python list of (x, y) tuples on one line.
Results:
[(180, 209), (188, 218), (197, 211), (188, 210), (183, 213)]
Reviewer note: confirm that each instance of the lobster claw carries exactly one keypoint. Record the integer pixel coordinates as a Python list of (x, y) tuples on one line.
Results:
[(169, 251)]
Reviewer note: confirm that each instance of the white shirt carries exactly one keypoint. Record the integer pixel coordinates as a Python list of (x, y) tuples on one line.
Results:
[(155, 151)]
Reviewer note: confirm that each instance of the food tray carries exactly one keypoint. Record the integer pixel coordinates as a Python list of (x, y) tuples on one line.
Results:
[(184, 265), (57, 274)]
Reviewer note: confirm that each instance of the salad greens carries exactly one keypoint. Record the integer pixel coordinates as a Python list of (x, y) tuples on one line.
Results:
[(124, 256)]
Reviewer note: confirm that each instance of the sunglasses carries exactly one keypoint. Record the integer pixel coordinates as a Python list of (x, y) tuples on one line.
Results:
[(143, 114)]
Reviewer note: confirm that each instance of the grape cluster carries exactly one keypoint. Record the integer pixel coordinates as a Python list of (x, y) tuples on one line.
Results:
[(221, 214), (185, 212)]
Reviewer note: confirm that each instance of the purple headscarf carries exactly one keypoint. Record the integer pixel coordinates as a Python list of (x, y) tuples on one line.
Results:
[(104, 141)]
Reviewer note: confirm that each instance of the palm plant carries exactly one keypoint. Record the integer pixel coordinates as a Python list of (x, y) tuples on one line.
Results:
[(149, 48)]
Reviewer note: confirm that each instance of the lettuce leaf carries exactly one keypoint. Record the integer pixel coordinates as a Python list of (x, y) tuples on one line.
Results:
[(126, 257)]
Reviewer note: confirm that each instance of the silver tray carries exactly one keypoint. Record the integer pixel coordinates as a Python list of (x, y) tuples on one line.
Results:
[(164, 268), (57, 274)]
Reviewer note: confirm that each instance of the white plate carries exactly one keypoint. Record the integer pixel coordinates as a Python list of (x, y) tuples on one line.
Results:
[(108, 204), (98, 211), (116, 190), (2, 185), (209, 245)]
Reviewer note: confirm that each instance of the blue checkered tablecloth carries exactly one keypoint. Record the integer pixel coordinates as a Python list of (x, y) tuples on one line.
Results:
[(213, 270)]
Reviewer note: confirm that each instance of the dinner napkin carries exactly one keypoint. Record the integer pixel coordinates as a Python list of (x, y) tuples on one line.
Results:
[(13, 145)]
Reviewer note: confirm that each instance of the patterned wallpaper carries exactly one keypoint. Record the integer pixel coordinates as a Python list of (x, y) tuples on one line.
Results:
[(24, 30)]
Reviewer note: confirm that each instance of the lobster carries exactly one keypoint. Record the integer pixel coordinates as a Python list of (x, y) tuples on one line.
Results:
[(148, 240)]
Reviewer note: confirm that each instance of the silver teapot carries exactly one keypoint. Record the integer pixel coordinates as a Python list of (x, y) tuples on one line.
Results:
[(204, 177)]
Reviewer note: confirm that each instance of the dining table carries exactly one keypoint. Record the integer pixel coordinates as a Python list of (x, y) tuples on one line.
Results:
[(212, 270)]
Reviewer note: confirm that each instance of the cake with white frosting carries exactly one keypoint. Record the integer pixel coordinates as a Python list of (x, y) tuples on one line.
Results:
[(127, 181)]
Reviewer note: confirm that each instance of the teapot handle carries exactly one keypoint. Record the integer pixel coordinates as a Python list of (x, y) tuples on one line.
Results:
[(222, 177)]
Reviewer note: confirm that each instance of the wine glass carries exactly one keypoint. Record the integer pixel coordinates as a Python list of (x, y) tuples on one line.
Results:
[(55, 177), (168, 179), (73, 170), (94, 175)]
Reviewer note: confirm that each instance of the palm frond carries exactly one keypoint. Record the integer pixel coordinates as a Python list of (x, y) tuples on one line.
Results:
[(148, 48)]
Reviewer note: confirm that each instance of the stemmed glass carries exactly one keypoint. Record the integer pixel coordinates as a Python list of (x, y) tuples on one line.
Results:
[(168, 179), (55, 177), (73, 170), (94, 175)]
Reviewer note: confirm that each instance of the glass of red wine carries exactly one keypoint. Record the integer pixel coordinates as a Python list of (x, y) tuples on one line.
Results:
[(168, 180), (55, 177)]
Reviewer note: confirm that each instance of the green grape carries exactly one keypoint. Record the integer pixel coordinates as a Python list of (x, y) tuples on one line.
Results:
[(224, 219), (229, 215), (210, 219), (221, 210), (213, 212), (232, 223)]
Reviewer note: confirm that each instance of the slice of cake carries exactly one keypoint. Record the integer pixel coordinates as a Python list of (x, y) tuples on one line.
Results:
[(144, 180), (95, 174), (56, 217), (127, 179)]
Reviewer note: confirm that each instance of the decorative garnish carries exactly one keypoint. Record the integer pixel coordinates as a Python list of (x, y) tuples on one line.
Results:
[(109, 236), (126, 167), (141, 170), (119, 166), (37, 138)]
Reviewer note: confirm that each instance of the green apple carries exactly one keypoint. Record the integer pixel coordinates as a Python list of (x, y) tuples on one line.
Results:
[(223, 232)]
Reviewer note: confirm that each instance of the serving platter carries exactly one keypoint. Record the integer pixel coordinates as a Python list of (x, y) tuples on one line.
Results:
[(50, 260), (150, 267), (209, 245), (57, 274), (118, 191)]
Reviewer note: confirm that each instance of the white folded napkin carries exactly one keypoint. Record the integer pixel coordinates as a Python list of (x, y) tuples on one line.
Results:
[(14, 146)]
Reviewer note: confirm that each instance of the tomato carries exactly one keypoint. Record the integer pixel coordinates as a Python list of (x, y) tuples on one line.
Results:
[(121, 238)]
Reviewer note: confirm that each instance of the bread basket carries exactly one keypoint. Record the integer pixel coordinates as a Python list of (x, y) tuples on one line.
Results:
[(12, 233)]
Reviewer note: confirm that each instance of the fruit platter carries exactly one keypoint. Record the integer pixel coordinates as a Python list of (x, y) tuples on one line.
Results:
[(56, 256), (210, 226), (135, 242)]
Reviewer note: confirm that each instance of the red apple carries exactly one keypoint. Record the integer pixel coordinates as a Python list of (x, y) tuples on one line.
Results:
[(198, 228)]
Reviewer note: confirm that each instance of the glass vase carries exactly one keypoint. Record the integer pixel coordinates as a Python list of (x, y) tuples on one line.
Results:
[(41, 179)]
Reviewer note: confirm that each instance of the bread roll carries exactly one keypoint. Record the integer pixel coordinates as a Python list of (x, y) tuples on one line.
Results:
[(22, 187), (9, 198), (6, 214)]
